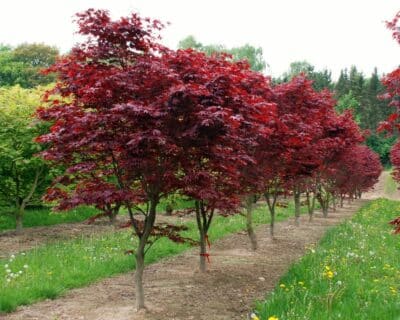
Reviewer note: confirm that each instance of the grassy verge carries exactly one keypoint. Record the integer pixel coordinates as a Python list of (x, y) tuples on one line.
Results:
[(50, 270), (352, 274), (45, 217)]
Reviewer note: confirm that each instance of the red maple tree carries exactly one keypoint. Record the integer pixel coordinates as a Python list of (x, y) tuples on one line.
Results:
[(392, 83)]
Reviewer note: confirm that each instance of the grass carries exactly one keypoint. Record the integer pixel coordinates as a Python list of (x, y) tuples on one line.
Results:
[(352, 274), (390, 186), (45, 217), (52, 269)]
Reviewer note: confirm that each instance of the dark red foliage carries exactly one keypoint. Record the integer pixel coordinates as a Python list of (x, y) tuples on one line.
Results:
[(309, 133), (395, 160), (138, 121), (392, 83), (394, 27), (357, 169)]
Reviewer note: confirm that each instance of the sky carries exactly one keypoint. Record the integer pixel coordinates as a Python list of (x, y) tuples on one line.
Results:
[(328, 34)]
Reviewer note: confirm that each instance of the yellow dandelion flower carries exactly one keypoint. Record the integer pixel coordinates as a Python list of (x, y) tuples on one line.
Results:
[(273, 318), (329, 274), (301, 283), (282, 285)]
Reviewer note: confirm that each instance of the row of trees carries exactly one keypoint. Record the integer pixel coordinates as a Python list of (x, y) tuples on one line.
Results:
[(392, 124), (353, 90), (132, 122)]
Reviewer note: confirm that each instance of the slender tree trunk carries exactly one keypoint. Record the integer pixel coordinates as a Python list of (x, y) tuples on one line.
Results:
[(341, 200), (310, 206), (272, 224), (168, 210), (22, 203), (203, 223), (114, 213), (139, 279), (271, 207), (334, 203), (203, 253), (297, 206), (325, 206), (19, 220), (140, 254), (249, 222)]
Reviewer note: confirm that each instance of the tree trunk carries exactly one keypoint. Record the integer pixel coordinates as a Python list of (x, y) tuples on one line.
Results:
[(272, 224), (114, 213), (296, 195), (139, 279), (140, 253), (168, 210), (310, 206), (19, 221), (22, 203), (334, 203), (203, 223), (113, 219), (203, 252), (341, 200), (249, 222), (271, 206)]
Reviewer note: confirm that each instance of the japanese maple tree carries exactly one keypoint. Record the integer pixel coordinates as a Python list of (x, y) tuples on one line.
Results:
[(392, 83), (224, 109), (355, 171), (110, 128)]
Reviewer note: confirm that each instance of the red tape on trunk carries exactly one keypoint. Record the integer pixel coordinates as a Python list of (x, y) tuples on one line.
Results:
[(208, 241), (207, 255)]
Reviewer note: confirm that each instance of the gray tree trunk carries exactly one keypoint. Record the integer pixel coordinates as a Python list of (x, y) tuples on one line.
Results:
[(249, 222), (297, 207)]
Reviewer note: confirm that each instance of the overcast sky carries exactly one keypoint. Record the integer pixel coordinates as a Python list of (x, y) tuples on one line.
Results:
[(333, 34)]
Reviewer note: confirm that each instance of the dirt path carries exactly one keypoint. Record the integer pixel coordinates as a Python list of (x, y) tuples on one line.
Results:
[(175, 290), (379, 190)]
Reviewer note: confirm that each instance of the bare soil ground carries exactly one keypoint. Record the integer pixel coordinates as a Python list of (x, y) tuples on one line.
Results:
[(174, 288), (379, 189)]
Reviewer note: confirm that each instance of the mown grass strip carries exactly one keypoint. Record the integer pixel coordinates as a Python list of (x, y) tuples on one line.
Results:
[(354, 273), (50, 270), (45, 217)]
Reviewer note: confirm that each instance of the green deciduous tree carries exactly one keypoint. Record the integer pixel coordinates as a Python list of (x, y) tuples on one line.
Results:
[(321, 79), (22, 64), (254, 55), (349, 102), (22, 174)]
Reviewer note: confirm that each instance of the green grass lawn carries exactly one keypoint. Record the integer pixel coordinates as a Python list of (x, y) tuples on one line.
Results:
[(45, 217), (50, 270), (354, 273)]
